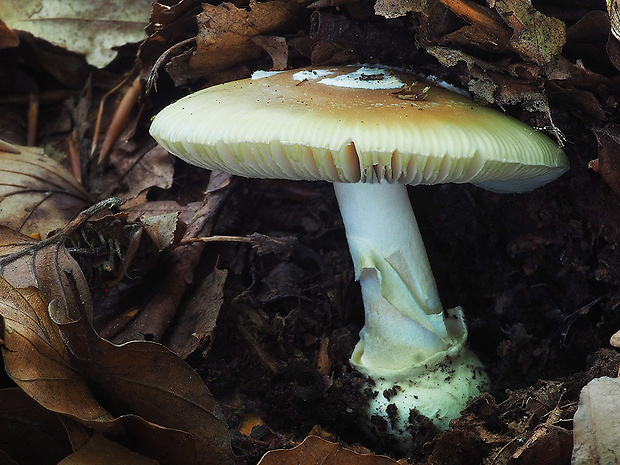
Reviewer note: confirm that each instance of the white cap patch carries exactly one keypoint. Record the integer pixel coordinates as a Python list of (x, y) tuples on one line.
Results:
[(260, 74), (311, 74), (366, 78)]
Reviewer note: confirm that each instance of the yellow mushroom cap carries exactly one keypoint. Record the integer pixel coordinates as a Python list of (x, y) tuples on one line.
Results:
[(351, 124)]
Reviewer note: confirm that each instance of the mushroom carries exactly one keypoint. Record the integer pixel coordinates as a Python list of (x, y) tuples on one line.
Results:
[(371, 131)]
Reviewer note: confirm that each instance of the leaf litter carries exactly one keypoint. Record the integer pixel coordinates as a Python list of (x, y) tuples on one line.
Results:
[(249, 281)]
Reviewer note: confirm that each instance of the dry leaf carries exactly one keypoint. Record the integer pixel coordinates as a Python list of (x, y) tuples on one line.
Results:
[(276, 47), (136, 169), (102, 451), (36, 357), (50, 269), (397, 8), (197, 320), (608, 163), (21, 417), (536, 37), (158, 400), (162, 229), (225, 32), (316, 450), (93, 29), (37, 195), (549, 445), (595, 426), (148, 380), (8, 38)]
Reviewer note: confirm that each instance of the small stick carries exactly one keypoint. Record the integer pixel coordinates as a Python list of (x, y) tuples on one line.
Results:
[(33, 119), (75, 156), (481, 17), (67, 230), (120, 118)]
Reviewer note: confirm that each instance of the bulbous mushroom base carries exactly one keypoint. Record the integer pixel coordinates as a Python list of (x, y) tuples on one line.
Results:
[(438, 391)]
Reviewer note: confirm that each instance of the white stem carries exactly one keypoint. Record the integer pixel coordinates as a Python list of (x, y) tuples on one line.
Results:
[(405, 324)]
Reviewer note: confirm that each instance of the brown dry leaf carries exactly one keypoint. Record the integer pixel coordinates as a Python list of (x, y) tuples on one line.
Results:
[(148, 380), (315, 450), (536, 37), (225, 32), (36, 357), (608, 162), (137, 168), (37, 195), (102, 451), (21, 417), (162, 229), (50, 269), (197, 320), (61, 363), (549, 445), (8, 38), (276, 47)]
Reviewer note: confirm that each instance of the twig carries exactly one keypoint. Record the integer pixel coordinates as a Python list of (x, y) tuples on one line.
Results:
[(481, 17), (66, 231), (33, 119), (75, 157), (97, 130), (152, 77), (120, 118)]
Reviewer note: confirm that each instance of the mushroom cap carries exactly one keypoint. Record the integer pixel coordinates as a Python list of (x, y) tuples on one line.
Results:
[(352, 124)]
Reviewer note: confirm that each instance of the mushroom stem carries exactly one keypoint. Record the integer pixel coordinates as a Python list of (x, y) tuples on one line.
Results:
[(408, 340), (405, 323)]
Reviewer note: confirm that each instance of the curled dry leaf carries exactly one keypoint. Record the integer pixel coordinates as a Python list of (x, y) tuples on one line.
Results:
[(158, 401), (316, 450), (36, 357), (148, 380), (50, 269), (37, 195)]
